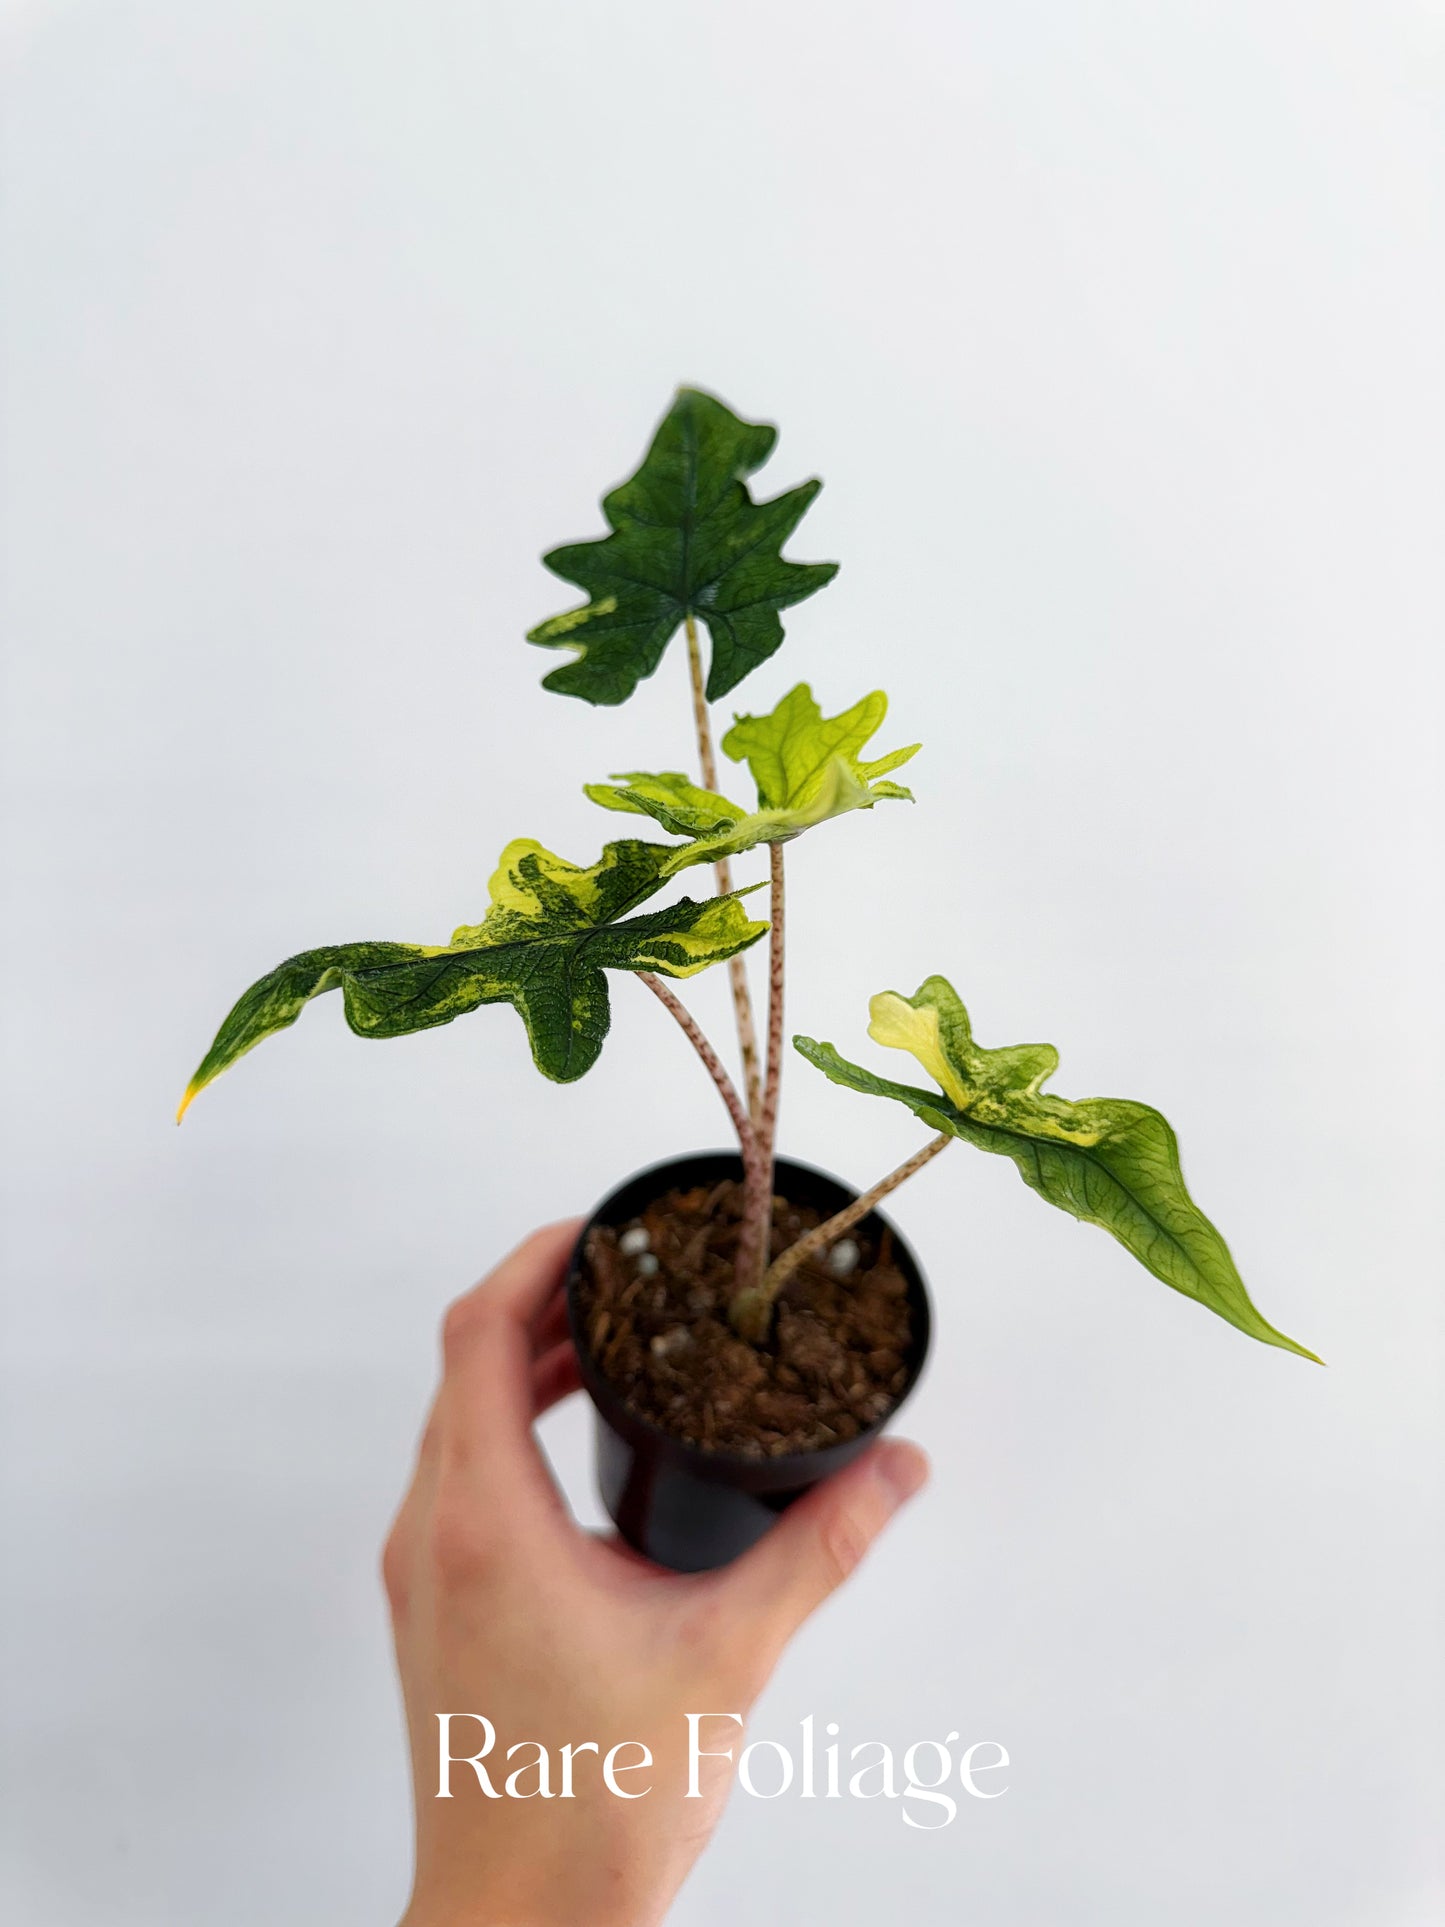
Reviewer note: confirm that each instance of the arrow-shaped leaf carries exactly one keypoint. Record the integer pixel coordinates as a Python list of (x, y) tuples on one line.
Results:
[(687, 540), (806, 767), (551, 930), (1105, 1160)]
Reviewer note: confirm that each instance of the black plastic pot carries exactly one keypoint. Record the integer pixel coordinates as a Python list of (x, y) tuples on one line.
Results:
[(678, 1504)]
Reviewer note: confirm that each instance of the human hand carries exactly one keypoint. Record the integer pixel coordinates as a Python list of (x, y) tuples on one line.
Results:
[(503, 1607)]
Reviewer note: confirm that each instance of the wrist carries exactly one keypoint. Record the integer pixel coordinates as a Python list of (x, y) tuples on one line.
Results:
[(543, 1910), (543, 1896)]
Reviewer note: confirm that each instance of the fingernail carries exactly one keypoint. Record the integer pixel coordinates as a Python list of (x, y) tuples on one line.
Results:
[(903, 1468)]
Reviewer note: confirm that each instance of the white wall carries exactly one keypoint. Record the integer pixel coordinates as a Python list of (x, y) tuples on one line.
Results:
[(1113, 330)]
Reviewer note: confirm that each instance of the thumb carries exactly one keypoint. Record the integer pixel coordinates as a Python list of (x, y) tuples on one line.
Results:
[(822, 1538)]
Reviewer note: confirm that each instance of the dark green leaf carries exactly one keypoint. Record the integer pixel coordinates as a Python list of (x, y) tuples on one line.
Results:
[(687, 539)]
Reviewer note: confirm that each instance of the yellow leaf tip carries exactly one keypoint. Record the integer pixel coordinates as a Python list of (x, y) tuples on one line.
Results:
[(187, 1101), (1299, 1351)]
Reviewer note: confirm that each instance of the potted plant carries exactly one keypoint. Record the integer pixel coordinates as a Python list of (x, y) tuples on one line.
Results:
[(744, 1324)]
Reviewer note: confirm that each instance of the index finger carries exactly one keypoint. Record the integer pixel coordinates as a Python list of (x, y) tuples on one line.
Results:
[(487, 1347)]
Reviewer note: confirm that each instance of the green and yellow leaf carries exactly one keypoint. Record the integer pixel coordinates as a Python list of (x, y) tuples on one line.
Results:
[(806, 767), (687, 540), (552, 928), (671, 799), (1104, 1160), (797, 756)]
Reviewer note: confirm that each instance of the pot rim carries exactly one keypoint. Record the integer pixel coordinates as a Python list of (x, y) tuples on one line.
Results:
[(788, 1470)]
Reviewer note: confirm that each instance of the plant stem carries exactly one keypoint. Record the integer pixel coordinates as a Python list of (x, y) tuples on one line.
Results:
[(722, 870), (747, 1136), (752, 1311), (767, 1129), (753, 1252)]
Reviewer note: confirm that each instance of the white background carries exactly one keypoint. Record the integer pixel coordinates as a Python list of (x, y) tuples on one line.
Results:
[(1113, 332)]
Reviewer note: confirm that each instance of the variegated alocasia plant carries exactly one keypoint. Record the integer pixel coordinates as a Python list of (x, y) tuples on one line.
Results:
[(689, 545)]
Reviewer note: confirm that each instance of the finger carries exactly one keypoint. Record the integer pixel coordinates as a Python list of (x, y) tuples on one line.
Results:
[(822, 1538), (502, 1319), (522, 1287), (487, 1346), (555, 1376), (551, 1325)]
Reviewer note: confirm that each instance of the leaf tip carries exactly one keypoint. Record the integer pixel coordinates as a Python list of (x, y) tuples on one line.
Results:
[(1271, 1335), (191, 1092)]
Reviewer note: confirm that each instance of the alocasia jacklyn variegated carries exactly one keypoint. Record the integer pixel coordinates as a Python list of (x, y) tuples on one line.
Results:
[(689, 545)]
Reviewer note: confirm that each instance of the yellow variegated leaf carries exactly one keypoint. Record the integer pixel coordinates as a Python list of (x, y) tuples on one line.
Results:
[(671, 799), (796, 754), (1105, 1160), (551, 929), (806, 768)]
